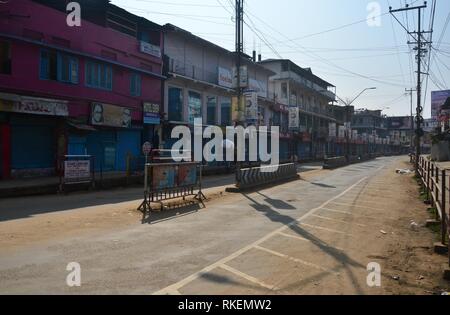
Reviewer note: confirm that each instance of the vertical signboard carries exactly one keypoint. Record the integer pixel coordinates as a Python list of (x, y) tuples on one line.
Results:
[(238, 109), (438, 99), (294, 119), (251, 107)]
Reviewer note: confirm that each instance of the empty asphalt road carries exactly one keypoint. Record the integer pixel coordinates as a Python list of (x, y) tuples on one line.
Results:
[(314, 235)]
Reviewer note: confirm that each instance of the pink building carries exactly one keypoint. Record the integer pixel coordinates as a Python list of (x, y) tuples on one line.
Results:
[(92, 89)]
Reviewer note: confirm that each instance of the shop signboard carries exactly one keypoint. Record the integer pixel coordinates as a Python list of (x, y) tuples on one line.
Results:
[(151, 114), (110, 115)]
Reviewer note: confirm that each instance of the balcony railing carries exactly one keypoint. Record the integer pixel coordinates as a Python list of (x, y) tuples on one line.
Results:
[(307, 84), (192, 71)]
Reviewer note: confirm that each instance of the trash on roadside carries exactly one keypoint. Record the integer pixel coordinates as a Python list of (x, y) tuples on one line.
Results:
[(396, 278), (383, 232), (414, 226), (403, 171), (421, 278)]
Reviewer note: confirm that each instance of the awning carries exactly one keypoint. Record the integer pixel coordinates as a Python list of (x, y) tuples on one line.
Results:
[(79, 126)]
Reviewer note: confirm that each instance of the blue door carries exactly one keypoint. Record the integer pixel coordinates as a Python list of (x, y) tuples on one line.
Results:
[(128, 142)]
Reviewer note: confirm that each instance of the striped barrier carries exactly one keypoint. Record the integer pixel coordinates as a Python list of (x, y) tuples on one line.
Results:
[(257, 176)]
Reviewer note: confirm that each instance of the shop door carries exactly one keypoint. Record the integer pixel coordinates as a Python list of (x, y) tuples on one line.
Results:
[(32, 147)]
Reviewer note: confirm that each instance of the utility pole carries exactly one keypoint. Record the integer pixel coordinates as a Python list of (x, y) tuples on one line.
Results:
[(421, 43), (239, 5), (239, 48), (410, 92)]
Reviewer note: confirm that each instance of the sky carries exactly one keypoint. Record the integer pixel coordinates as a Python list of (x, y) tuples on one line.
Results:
[(337, 39)]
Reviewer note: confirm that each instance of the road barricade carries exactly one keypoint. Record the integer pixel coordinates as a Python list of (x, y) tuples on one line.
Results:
[(167, 181), (335, 162), (256, 176)]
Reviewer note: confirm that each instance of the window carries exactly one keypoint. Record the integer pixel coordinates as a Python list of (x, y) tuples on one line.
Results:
[(99, 75), (5, 58), (175, 100), (58, 67), (135, 84), (211, 110), (225, 111), (194, 106)]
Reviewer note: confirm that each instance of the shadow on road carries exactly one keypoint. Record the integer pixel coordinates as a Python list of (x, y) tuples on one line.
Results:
[(344, 261)]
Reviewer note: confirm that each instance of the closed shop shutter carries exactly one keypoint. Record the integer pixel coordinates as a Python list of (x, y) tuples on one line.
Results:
[(128, 142), (32, 147)]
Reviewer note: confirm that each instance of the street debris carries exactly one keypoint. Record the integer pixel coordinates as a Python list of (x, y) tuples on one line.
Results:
[(396, 278), (403, 171), (383, 232), (421, 278), (414, 226)]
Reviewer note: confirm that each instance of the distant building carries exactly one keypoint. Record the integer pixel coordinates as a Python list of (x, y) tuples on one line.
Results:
[(294, 86)]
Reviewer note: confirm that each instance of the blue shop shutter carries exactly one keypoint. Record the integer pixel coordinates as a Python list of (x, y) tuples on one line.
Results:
[(77, 145), (32, 146), (128, 142)]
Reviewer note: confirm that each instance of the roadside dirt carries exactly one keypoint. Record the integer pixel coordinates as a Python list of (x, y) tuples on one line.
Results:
[(93, 220), (411, 265)]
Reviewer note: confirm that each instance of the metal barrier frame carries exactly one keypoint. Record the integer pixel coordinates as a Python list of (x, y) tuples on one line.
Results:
[(435, 181), (152, 195)]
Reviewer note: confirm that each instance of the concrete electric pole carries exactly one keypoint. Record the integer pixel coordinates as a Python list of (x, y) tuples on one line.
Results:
[(421, 50)]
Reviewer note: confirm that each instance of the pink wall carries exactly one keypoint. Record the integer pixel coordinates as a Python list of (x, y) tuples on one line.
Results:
[(89, 38)]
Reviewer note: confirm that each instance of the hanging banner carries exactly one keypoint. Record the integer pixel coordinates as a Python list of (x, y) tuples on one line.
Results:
[(243, 77), (251, 107), (341, 132), (332, 130), (110, 115), (438, 99), (294, 119)]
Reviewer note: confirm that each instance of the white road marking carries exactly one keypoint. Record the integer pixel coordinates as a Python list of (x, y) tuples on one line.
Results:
[(306, 263), (249, 278), (324, 229), (243, 250), (294, 237), (355, 214), (335, 220), (356, 206)]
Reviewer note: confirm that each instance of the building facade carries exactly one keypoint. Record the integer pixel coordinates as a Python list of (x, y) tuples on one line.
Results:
[(75, 90), (298, 88), (200, 83)]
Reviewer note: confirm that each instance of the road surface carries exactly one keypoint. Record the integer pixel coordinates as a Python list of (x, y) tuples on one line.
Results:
[(312, 236)]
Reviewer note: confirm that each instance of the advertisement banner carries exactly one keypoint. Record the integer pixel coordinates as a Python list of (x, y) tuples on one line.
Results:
[(294, 119), (194, 106), (341, 132), (438, 99), (225, 78), (251, 107), (151, 114), (399, 122), (187, 175), (243, 77), (77, 171), (110, 115), (163, 177), (332, 130), (238, 109)]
